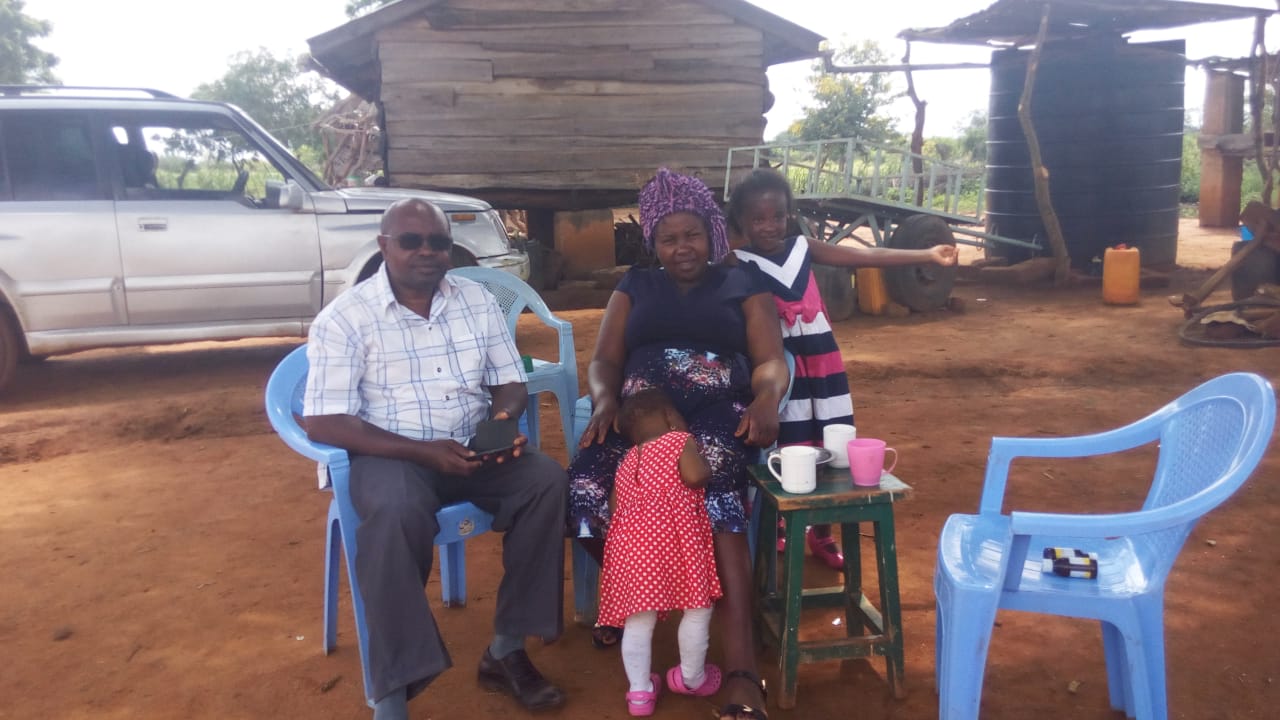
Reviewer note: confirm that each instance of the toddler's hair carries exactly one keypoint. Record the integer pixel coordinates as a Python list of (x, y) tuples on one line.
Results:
[(757, 182), (639, 404)]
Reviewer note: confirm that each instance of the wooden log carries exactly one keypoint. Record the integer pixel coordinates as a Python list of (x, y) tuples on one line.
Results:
[(585, 88), (454, 18), (682, 7), (503, 143), (566, 182), (670, 35), (554, 105), (438, 71), (422, 52), (449, 160), (549, 65), (1027, 272), (748, 129)]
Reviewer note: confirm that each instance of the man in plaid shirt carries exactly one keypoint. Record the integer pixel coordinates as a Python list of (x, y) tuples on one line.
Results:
[(403, 367)]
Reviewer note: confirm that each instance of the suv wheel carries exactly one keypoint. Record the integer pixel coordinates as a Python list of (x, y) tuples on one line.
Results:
[(461, 258), (10, 347)]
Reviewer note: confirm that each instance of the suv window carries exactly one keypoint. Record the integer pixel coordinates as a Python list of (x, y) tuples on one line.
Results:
[(49, 156), (192, 158)]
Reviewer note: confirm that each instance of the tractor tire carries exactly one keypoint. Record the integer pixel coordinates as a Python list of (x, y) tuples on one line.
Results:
[(920, 287)]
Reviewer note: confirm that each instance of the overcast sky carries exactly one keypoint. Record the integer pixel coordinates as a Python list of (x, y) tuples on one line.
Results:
[(175, 45)]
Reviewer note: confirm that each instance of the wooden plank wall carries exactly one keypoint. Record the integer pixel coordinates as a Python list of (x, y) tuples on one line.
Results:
[(578, 94)]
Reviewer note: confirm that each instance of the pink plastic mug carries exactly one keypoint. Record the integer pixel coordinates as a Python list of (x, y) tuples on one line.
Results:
[(866, 461)]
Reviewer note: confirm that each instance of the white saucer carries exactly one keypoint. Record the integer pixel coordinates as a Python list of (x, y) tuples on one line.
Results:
[(824, 455)]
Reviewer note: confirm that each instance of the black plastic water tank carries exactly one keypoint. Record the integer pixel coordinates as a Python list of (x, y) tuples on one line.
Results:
[(1109, 117)]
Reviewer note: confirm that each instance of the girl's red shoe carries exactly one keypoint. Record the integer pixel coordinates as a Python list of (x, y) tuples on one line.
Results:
[(825, 549)]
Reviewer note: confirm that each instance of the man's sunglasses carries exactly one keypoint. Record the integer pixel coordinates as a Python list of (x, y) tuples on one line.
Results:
[(411, 241)]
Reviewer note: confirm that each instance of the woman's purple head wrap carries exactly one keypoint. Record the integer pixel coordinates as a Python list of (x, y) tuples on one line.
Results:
[(669, 193)]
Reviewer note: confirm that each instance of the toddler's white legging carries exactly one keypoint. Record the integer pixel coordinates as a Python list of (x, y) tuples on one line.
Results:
[(637, 647)]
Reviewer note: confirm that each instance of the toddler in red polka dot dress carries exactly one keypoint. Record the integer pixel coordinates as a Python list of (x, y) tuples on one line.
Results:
[(658, 555)]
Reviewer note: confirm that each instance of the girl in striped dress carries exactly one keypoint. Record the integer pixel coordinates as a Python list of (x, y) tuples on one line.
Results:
[(758, 210)]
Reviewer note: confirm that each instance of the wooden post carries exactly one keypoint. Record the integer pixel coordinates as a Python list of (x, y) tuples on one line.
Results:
[(1220, 175), (1040, 174), (1258, 74), (917, 133)]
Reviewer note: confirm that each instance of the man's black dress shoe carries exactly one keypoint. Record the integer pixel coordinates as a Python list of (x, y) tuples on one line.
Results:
[(516, 676)]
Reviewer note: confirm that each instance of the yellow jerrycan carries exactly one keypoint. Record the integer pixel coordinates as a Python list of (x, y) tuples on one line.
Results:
[(1121, 271)]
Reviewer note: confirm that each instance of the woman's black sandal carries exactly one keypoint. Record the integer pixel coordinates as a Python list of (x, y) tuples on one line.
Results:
[(738, 709), (604, 637)]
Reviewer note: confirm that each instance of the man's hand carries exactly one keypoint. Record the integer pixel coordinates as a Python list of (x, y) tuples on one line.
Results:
[(449, 457)]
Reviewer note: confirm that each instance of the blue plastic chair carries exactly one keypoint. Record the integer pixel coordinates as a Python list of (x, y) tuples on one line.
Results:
[(586, 571), (1210, 440), (458, 522), (559, 378)]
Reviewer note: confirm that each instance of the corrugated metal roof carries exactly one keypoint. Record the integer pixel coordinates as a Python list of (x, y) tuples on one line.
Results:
[(1016, 22)]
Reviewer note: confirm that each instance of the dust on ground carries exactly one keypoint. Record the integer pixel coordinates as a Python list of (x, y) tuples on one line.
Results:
[(162, 549)]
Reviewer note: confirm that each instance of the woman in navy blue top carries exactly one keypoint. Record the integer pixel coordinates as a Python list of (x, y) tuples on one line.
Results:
[(709, 337)]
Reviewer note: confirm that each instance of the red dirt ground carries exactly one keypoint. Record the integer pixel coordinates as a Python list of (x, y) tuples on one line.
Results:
[(162, 550)]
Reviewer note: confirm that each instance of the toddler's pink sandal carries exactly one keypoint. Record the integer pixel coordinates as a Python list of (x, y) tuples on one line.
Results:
[(710, 681), (641, 703)]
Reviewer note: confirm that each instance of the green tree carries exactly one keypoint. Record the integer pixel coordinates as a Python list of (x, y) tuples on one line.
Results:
[(845, 104), (275, 92), (972, 139), (20, 61)]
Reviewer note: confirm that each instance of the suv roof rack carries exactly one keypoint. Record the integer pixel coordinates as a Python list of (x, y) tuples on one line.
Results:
[(79, 91)]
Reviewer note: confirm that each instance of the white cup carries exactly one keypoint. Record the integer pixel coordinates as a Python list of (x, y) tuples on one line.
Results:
[(836, 438), (798, 468)]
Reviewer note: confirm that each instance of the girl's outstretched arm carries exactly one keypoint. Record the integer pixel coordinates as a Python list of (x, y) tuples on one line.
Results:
[(694, 470), (825, 253)]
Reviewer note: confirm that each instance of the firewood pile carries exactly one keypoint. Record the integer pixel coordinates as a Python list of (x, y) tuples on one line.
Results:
[(350, 134)]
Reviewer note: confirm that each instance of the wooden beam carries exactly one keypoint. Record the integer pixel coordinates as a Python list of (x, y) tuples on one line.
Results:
[(555, 105), (450, 161), (746, 127)]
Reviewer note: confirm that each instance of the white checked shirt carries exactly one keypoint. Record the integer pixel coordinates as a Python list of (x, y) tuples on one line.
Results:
[(422, 378)]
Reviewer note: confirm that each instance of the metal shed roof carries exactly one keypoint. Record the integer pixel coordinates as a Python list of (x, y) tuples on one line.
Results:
[(1016, 22)]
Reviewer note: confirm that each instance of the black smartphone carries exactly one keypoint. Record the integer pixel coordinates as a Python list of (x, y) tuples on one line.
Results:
[(495, 436)]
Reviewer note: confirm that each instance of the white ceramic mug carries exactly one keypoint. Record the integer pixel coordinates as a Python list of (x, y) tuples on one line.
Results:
[(798, 468), (835, 438)]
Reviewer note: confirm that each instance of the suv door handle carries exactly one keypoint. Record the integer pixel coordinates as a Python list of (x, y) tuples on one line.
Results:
[(153, 224)]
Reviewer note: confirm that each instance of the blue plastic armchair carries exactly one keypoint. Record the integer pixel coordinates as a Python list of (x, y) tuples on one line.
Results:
[(1210, 440), (457, 522), (559, 378), (586, 571)]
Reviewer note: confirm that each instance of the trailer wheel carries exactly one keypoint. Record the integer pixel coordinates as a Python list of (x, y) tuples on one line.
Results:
[(920, 287)]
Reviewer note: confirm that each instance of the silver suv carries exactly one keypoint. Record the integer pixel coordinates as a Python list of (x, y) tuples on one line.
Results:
[(135, 217)]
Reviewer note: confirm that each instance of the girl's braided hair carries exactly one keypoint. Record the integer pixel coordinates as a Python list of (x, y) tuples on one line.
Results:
[(669, 193)]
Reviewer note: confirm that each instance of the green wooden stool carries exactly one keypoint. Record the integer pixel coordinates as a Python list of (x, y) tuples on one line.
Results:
[(835, 500)]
